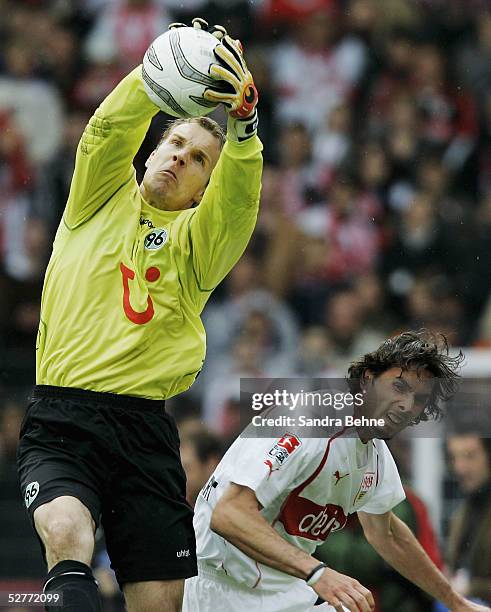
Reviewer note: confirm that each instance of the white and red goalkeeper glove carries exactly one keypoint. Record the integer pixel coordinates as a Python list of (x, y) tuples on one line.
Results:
[(235, 89), (241, 98)]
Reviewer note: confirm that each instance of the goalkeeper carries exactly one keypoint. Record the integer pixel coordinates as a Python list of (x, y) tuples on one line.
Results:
[(120, 331)]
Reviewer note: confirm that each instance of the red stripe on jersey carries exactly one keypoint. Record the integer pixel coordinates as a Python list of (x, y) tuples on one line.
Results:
[(259, 576), (316, 472)]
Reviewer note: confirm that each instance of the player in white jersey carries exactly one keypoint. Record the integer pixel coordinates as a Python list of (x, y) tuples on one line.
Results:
[(271, 501)]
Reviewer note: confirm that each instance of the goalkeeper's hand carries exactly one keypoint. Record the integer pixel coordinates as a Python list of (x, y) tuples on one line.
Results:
[(241, 96), (231, 72), (235, 86)]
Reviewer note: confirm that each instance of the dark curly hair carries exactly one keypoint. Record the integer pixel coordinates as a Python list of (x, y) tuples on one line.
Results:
[(419, 349)]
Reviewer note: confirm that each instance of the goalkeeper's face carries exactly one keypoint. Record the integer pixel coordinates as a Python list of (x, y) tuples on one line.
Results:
[(180, 168)]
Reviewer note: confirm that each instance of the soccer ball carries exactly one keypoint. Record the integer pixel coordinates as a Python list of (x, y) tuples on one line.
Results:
[(175, 71)]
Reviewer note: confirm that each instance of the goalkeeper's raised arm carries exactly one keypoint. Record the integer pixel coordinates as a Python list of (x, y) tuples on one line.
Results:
[(227, 214), (107, 148)]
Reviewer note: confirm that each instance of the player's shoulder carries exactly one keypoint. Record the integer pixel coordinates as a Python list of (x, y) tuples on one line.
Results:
[(283, 447), (385, 459)]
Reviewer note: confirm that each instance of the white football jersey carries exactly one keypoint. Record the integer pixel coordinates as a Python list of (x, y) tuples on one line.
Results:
[(307, 487)]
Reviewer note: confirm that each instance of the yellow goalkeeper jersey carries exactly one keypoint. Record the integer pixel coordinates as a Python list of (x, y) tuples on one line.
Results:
[(126, 282)]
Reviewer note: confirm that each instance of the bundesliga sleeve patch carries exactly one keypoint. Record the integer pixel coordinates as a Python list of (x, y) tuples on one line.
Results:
[(281, 451)]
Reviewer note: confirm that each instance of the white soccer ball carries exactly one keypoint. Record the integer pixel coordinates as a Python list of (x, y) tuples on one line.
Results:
[(175, 71)]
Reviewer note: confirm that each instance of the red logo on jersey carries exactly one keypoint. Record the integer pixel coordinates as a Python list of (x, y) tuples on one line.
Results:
[(302, 517), (365, 486), (139, 318), (272, 469), (289, 442)]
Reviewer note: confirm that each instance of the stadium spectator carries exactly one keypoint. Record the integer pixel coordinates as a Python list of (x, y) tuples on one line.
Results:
[(95, 83), (35, 102), (374, 173), (332, 145), (417, 243), (295, 173), (371, 293), (253, 312), (23, 240), (15, 181), (335, 66), (447, 116), (350, 336), (247, 359), (123, 31), (389, 84), (469, 540), (314, 354)]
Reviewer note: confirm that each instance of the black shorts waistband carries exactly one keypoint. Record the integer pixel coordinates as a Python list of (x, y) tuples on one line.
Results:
[(86, 396)]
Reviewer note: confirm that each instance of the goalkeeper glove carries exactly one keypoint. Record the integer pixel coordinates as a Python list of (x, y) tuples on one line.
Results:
[(241, 97), (235, 86)]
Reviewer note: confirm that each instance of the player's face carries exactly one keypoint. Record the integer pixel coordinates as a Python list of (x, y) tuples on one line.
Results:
[(396, 396), (179, 170), (469, 461)]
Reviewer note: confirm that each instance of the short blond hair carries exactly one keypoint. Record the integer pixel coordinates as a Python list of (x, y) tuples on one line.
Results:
[(210, 125)]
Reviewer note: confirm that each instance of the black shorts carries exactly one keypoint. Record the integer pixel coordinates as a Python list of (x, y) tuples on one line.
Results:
[(119, 456)]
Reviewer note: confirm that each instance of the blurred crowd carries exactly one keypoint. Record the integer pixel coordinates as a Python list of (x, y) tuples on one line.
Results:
[(376, 202)]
